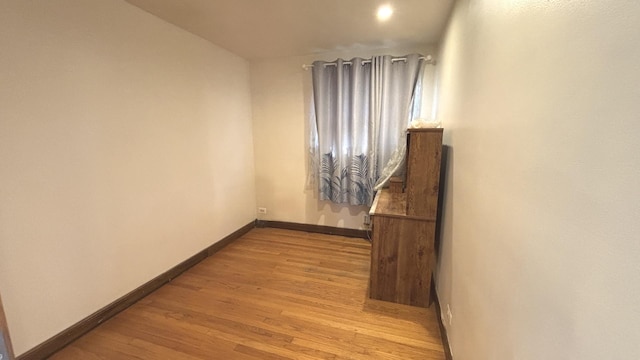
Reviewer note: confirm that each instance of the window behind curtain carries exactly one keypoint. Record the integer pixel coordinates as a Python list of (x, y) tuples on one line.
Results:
[(362, 109)]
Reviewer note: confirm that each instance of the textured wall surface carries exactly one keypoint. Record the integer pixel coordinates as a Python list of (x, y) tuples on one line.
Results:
[(125, 148), (540, 252)]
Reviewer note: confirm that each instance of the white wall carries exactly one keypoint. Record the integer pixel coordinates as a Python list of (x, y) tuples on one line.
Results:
[(280, 93), (540, 103), (125, 148)]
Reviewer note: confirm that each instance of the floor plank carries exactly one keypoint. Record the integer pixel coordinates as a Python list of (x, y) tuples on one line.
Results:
[(272, 294)]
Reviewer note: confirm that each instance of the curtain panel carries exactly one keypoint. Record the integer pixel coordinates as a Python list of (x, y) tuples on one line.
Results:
[(362, 110)]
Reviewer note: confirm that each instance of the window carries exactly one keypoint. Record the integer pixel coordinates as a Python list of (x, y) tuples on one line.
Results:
[(362, 109)]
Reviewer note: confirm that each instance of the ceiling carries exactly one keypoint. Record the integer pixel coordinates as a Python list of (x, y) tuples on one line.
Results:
[(256, 29)]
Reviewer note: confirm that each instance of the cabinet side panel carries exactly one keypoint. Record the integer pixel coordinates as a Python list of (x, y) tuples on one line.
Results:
[(423, 173), (374, 283), (385, 263), (413, 265), (424, 257)]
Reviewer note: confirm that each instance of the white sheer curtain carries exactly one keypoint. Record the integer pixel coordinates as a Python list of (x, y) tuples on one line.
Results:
[(362, 110)]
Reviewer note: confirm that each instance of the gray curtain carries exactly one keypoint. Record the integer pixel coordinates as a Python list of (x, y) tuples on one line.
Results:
[(362, 111)]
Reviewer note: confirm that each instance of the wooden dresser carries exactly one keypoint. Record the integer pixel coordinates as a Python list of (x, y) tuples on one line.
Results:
[(404, 225)]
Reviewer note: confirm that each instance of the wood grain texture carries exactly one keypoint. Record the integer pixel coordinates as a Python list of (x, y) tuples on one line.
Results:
[(272, 294), (423, 172), (402, 256), (404, 226), (392, 204), (396, 184)]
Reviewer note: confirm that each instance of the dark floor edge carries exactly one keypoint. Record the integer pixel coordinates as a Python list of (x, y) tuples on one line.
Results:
[(443, 330), (59, 341), (329, 230)]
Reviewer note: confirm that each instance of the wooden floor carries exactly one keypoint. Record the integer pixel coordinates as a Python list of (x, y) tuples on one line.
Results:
[(272, 294)]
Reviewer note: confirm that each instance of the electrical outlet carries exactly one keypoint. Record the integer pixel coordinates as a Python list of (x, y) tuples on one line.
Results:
[(449, 314), (367, 220), (262, 210)]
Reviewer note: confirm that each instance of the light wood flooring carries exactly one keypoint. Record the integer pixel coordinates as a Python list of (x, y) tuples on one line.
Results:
[(272, 294)]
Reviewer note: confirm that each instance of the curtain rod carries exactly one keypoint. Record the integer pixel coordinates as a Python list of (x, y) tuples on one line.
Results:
[(428, 59)]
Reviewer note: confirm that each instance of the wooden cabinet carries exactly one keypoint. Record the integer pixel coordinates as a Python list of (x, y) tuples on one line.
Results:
[(402, 254)]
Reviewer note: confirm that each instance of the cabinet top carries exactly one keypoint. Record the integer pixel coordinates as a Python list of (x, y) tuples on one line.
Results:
[(391, 204), (436, 130)]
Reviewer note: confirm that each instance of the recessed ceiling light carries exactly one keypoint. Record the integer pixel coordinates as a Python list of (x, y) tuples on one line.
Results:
[(384, 12)]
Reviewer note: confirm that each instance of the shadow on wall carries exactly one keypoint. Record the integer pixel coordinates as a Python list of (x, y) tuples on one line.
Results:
[(444, 173), (444, 228), (322, 212)]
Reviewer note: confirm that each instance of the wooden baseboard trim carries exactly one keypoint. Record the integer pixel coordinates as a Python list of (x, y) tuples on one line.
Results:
[(62, 339), (230, 238), (443, 330), (329, 230)]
